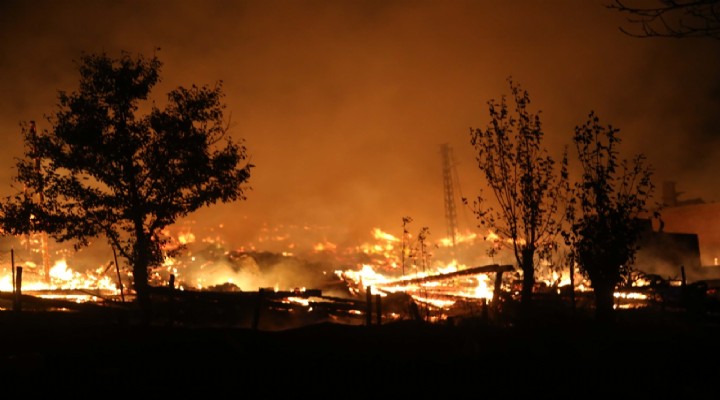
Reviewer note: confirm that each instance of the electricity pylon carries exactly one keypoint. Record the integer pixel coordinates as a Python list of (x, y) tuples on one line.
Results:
[(450, 210)]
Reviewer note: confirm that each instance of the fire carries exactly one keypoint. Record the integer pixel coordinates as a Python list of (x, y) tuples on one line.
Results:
[(430, 289), (186, 238), (433, 279), (468, 237), (326, 246), (63, 279), (493, 237), (366, 276), (379, 234)]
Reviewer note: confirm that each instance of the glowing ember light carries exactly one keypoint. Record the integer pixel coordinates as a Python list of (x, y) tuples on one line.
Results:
[(299, 300), (492, 237), (631, 296), (186, 238), (327, 246)]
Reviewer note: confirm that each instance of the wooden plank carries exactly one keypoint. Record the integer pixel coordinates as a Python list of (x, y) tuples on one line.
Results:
[(438, 277)]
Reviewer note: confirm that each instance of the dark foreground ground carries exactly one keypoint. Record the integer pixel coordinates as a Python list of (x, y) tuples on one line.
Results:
[(647, 354)]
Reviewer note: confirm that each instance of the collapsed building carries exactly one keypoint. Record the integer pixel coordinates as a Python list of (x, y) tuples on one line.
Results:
[(685, 236)]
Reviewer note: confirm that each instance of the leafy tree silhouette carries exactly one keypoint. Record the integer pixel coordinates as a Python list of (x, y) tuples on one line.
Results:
[(523, 180), (603, 211), (105, 169)]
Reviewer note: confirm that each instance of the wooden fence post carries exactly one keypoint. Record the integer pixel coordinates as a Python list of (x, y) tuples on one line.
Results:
[(12, 264), (17, 303), (496, 293), (117, 270), (258, 305), (378, 309), (368, 310)]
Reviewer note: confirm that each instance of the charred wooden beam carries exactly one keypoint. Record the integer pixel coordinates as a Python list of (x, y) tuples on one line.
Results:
[(272, 293), (17, 301), (100, 293), (439, 277), (446, 296), (368, 311), (35, 301), (267, 293)]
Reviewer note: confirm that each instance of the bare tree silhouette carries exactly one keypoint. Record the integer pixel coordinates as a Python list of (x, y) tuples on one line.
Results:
[(671, 18)]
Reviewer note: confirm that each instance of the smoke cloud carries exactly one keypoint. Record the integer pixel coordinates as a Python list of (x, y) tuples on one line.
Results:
[(343, 105)]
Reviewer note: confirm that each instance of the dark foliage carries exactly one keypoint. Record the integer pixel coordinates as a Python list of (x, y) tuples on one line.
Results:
[(604, 210), (523, 180), (105, 169)]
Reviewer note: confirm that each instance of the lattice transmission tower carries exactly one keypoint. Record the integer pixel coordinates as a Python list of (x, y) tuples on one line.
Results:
[(449, 176)]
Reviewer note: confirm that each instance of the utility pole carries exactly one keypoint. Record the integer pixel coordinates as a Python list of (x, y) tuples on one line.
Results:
[(405, 221), (40, 200)]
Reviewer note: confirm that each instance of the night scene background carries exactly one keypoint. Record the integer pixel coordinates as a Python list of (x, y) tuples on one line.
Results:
[(343, 107)]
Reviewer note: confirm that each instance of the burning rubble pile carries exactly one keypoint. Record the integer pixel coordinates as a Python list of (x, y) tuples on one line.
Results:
[(384, 279)]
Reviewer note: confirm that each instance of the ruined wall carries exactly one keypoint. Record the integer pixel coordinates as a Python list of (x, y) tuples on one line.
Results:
[(701, 219)]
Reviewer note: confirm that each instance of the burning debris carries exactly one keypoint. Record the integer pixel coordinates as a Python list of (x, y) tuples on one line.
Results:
[(436, 293), (206, 283)]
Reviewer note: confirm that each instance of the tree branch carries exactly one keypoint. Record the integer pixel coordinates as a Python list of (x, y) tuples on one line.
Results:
[(672, 18)]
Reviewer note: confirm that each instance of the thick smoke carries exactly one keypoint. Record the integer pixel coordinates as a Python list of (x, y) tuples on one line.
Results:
[(344, 105)]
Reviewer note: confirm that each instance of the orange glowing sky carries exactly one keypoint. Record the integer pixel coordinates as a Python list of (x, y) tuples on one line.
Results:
[(343, 105)]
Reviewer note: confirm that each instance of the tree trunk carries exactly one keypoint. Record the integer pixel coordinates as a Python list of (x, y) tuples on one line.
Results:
[(141, 276), (528, 268), (604, 302)]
